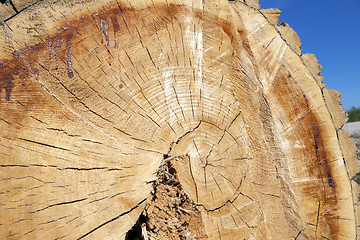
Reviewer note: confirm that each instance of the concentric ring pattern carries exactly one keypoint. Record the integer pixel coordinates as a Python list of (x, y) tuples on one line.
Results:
[(90, 107)]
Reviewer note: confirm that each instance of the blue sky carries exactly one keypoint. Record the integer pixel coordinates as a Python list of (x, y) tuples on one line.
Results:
[(331, 30)]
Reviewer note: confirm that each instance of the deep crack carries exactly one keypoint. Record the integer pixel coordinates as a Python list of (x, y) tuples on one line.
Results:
[(181, 137), (169, 213), (111, 220), (137, 232)]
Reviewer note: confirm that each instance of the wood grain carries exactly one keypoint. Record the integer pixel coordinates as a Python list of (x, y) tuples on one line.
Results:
[(96, 96)]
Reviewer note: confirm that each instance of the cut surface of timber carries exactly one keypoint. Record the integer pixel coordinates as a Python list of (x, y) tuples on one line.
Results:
[(165, 119)]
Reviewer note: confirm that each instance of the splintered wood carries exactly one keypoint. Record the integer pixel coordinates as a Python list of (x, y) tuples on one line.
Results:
[(167, 120)]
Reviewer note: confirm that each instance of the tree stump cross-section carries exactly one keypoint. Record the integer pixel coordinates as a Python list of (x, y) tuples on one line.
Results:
[(167, 119)]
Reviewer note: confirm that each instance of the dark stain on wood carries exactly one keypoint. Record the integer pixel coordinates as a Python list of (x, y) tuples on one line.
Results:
[(321, 155), (116, 27), (313, 157), (6, 83), (134, 21), (23, 62)]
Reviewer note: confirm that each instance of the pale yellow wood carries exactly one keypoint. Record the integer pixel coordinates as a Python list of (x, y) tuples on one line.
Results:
[(290, 36), (6, 11), (314, 67), (22, 4), (112, 110), (6, 46), (272, 14)]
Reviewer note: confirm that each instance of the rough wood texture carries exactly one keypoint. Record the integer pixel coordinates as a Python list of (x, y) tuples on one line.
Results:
[(202, 109)]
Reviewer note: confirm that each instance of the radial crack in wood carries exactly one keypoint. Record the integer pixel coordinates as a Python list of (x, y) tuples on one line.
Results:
[(167, 120)]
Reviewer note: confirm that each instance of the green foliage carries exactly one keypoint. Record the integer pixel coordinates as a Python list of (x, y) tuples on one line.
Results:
[(356, 178), (354, 114)]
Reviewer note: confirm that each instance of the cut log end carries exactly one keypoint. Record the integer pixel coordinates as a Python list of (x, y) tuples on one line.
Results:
[(160, 120)]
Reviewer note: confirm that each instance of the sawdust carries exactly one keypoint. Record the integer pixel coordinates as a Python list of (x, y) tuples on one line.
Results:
[(169, 214)]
